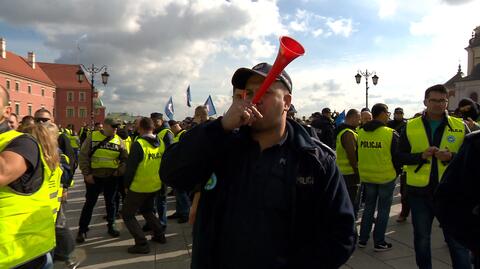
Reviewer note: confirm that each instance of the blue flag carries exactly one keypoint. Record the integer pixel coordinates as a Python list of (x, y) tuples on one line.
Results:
[(210, 106), (340, 118), (169, 111), (189, 97)]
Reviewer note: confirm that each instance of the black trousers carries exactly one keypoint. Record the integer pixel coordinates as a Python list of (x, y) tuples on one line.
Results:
[(353, 185), (403, 192), (106, 185), (144, 202)]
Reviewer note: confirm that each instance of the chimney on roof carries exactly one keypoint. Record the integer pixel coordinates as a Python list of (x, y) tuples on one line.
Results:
[(31, 59), (3, 48)]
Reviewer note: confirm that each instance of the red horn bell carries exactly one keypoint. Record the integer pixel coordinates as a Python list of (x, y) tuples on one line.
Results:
[(288, 51)]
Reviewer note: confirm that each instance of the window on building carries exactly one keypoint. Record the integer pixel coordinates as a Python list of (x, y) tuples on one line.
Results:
[(29, 110), (43, 92), (17, 109), (29, 87), (8, 85), (81, 96), (70, 112), (17, 86), (70, 96), (82, 112), (53, 113)]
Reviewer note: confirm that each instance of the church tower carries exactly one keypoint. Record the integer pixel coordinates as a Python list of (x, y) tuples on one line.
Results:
[(473, 50)]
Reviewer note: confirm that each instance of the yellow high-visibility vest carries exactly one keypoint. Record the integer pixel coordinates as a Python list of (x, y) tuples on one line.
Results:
[(147, 178), (27, 229), (375, 163), (342, 160), (452, 139), (176, 138), (106, 156)]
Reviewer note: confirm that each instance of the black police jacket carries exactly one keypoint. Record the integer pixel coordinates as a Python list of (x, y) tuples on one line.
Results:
[(283, 207), (457, 198)]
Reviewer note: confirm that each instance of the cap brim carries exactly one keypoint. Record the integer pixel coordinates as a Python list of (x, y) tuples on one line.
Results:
[(240, 77)]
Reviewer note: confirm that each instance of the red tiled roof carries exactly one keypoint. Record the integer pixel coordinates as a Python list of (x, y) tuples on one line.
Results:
[(65, 76), (19, 66)]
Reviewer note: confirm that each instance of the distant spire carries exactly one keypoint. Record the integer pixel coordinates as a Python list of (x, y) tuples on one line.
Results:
[(459, 68)]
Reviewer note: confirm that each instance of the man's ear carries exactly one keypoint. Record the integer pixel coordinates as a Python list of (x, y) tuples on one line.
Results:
[(287, 101), (6, 112), (425, 102)]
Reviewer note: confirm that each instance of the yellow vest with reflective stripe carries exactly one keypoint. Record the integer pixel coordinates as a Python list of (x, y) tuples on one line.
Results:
[(163, 133), (342, 160), (54, 188), (147, 178), (27, 229), (177, 137), (74, 140), (106, 156), (417, 137), (375, 163), (128, 143)]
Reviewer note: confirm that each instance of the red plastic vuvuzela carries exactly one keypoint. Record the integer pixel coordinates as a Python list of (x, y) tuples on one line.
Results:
[(288, 51)]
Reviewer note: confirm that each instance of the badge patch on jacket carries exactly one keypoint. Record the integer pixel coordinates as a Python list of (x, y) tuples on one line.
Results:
[(211, 183), (451, 139)]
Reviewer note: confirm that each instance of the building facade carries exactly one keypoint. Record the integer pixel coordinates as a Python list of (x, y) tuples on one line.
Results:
[(468, 86), (73, 100), (29, 87)]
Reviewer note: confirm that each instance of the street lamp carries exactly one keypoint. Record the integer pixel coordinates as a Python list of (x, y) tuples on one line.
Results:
[(92, 71), (366, 75)]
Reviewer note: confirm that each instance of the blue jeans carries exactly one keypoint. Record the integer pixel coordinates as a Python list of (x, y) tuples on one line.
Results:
[(422, 219), (383, 193), (161, 207), (182, 203)]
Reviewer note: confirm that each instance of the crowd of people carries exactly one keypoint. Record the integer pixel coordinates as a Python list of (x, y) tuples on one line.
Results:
[(262, 188)]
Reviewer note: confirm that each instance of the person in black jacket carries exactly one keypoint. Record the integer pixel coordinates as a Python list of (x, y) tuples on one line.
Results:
[(325, 126), (457, 198), (272, 197)]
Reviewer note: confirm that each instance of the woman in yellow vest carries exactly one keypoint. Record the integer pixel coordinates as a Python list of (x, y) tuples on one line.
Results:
[(142, 183), (376, 146), (27, 231), (426, 146)]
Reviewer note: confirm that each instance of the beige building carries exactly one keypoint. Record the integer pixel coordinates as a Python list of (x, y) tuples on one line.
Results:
[(460, 86)]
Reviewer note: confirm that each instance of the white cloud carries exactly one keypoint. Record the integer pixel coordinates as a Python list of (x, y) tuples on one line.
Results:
[(341, 26), (387, 8)]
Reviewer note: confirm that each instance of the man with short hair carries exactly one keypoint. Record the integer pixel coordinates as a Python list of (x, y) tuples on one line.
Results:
[(272, 197), (28, 228), (365, 116), (142, 181), (426, 147), (397, 124), (162, 130), (325, 127), (346, 145), (13, 121), (378, 170), (102, 161)]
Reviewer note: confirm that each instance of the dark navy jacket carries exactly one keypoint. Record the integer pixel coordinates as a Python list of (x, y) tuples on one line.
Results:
[(283, 207), (457, 198)]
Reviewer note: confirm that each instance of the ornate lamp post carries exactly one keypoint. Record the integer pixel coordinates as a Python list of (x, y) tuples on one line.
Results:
[(366, 75), (93, 70)]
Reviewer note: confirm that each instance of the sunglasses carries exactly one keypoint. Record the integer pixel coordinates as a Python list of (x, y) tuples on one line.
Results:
[(38, 120)]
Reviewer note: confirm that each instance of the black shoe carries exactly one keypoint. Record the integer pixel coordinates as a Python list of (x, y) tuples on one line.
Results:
[(160, 239), (182, 220), (362, 244), (113, 231), (382, 247), (174, 216), (81, 237), (146, 228), (139, 249)]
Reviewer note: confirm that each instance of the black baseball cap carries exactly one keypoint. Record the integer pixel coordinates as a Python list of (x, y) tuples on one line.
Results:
[(156, 115), (326, 110), (398, 110), (240, 77)]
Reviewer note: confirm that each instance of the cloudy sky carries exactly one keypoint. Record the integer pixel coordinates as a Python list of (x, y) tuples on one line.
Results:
[(154, 49)]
